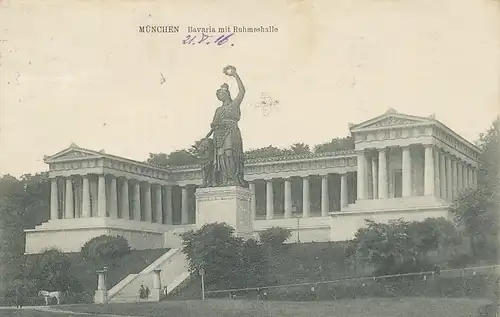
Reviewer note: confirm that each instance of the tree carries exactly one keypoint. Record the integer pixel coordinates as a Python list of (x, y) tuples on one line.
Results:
[(336, 144), (268, 151), (215, 249), (160, 159), (489, 143), (52, 271), (254, 265), (23, 204), (300, 148), (476, 210), (476, 213)]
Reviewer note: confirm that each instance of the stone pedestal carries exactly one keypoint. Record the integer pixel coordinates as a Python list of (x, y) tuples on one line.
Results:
[(231, 205), (101, 294), (157, 292)]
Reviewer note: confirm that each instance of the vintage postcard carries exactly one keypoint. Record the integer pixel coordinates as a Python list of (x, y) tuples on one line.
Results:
[(249, 158)]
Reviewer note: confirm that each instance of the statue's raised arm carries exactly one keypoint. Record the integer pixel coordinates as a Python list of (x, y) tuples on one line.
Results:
[(231, 71)]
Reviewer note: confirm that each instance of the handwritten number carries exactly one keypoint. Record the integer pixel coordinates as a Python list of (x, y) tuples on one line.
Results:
[(189, 39), (223, 39)]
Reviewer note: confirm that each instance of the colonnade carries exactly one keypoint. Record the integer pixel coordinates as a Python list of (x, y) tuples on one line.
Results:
[(444, 175), (90, 195), (306, 197), (85, 196)]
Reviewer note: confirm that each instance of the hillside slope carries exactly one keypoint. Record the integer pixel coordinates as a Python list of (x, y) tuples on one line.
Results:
[(118, 269)]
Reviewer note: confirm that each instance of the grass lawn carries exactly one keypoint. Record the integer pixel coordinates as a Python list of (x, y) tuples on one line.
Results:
[(373, 307)]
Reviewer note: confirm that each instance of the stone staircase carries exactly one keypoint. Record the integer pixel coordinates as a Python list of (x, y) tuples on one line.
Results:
[(174, 271)]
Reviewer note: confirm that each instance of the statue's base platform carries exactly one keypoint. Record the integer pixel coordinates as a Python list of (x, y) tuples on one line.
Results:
[(69, 235), (229, 204)]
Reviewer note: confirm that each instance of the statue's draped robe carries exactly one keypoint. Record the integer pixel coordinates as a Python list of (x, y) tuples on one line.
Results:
[(228, 145)]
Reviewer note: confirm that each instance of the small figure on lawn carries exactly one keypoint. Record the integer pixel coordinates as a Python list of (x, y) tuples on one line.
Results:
[(147, 292)]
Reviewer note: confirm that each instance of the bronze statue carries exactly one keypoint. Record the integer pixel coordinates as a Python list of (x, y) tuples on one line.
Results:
[(224, 167)]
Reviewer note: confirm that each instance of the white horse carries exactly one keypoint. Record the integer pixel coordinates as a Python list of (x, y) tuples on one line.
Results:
[(57, 295)]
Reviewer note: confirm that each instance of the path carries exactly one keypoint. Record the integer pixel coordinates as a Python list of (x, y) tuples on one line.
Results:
[(62, 311)]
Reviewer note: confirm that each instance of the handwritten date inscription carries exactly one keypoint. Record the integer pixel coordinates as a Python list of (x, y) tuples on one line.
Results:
[(219, 40)]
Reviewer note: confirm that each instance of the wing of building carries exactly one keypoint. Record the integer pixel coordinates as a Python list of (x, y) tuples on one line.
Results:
[(402, 166)]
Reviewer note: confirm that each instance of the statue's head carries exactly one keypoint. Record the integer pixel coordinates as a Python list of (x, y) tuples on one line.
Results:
[(223, 93)]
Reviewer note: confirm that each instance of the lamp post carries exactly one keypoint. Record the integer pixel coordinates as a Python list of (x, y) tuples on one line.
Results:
[(202, 274)]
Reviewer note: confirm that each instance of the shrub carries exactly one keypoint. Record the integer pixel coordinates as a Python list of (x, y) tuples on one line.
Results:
[(274, 237), (403, 247), (105, 248)]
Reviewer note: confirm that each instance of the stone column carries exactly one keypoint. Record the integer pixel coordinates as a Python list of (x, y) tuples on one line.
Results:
[(343, 191), (288, 198), (136, 210), (361, 176), (158, 205), (460, 169), (54, 199), (449, 179), (70, 208), (253, 204), (383, 184), (147, 202), (101, 196), (442, 175), (374, 178), (306, 204), (474, 177), (429, 171), (125, 206), (113, 197), (464, 176), (269, 199), (437, 173), (467, 176), (407, 172), (184, 206), (167, 201), (325, 197), (471, 177), (454, 178), (85, 197)]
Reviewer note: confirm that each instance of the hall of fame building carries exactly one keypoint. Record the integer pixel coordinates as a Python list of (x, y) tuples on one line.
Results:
[(402, 166)]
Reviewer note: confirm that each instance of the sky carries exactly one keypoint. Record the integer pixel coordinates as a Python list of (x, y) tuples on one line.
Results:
[(81, 72)]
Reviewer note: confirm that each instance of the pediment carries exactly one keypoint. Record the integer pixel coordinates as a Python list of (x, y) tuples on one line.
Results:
[(389, 120), (71, 153)]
